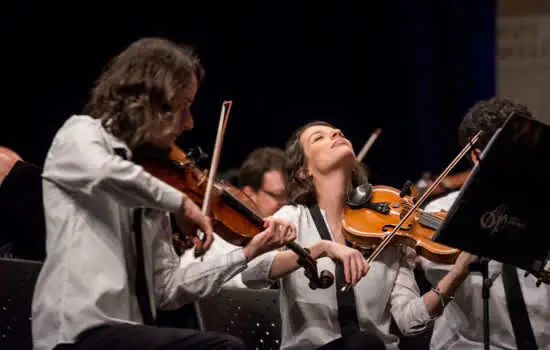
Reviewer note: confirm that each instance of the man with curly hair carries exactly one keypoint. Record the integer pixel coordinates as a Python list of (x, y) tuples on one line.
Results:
[(460, 326), (110, 261)]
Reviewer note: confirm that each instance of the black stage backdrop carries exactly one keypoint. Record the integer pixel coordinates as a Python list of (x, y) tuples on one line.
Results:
[(411, 68)]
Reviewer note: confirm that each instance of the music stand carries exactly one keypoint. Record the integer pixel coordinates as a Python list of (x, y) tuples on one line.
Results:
[(500, 212)]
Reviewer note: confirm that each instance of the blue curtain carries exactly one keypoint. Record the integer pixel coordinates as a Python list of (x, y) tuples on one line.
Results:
[(411, 67), (447, 54)]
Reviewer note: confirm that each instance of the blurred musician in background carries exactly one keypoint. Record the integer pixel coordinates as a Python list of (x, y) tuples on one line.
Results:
[(261, 177), (460, 327), (230, 176)]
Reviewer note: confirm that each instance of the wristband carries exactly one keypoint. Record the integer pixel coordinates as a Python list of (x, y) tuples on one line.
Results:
[(443, 299)]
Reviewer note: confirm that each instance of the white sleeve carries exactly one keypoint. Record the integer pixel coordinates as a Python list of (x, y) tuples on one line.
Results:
[(257, 273), (80, 160), (181, 281), (407, 305)]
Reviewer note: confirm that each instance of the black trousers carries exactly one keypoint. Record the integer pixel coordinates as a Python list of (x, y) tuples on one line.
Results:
[(129, 337), (357, 341)]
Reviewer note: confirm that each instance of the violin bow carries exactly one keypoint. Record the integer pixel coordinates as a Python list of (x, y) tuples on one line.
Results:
[(368, 144), (224, 116), (440, 178), (386, 241)]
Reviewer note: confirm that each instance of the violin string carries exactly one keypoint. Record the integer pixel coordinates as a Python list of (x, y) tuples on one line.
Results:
[(427, 215), (386, 241), (243, 204)]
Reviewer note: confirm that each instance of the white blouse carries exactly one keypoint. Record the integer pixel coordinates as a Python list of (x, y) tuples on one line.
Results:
[(310, 317)]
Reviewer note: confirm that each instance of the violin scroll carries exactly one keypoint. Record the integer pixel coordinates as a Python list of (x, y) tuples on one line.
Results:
[(197, 155), (316, 280)]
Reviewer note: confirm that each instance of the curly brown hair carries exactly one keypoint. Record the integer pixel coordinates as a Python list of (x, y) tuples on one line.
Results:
[(301, 190), (488, 116), (134, 95)]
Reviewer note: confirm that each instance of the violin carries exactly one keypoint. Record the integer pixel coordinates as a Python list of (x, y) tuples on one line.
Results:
[(374, 211), (234, 215), (371, 224)]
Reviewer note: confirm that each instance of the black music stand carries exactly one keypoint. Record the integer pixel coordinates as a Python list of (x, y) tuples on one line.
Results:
[(501, 211)]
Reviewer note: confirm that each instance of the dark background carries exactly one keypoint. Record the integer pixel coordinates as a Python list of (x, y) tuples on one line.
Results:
[(412, 68)]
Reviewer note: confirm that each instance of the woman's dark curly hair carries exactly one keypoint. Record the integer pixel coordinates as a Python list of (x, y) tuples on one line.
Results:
[(134, 95), (300, 189), (488, 116)]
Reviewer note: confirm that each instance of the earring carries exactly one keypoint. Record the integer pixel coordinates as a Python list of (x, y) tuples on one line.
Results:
[(303, 174)]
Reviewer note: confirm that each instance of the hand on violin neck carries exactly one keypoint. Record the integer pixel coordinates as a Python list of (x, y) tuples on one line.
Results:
[(277, 234), (355, 265), (190, 217)]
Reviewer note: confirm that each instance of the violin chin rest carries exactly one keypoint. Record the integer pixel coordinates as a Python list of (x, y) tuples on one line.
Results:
[(359, 196)]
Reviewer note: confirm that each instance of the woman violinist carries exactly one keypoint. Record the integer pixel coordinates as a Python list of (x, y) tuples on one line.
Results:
[(321, 169)]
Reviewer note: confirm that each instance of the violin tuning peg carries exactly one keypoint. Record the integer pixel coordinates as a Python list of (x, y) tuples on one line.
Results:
[(406, 190), (197, 154), (526, 274), (539, 282)]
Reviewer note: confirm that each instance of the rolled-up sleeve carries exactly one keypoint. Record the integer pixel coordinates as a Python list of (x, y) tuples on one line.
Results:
[(80, 160), (434, 272), (257, 273), (180, 283), (407, 305)]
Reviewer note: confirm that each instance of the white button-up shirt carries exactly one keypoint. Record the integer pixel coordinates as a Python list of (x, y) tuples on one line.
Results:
[(310, 317), (460, 327), (88, 276), (219, 247)]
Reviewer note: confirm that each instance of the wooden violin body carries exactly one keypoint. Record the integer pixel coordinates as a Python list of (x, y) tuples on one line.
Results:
[(234, 215), (365, 227)]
